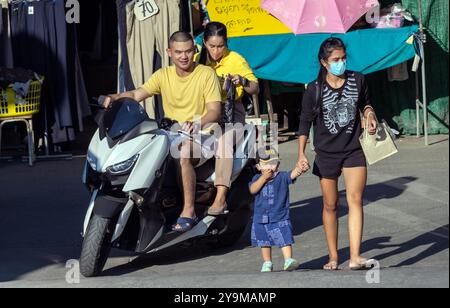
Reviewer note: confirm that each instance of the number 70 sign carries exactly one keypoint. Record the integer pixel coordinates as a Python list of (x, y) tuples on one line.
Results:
[(144, 9)]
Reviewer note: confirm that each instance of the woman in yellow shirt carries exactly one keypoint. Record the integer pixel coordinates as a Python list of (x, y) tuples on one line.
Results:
[(230, 66)]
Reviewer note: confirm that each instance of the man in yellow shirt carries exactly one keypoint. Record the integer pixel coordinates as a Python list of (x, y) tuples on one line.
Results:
[(188, 90)]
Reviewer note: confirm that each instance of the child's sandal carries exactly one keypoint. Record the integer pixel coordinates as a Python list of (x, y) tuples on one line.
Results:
[(267, 267)]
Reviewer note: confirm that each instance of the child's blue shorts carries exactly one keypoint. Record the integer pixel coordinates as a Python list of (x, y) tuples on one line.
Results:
[(278, 234)]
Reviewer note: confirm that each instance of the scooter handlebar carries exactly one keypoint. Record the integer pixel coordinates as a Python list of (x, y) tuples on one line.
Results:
[(97, 102)]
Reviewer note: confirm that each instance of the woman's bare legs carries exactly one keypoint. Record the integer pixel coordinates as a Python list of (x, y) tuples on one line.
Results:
[(221, 199), (330, 219), (224, 167), (355, 183)]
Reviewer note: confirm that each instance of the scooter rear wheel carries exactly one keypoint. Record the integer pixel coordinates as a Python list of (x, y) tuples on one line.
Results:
[(96, 246)]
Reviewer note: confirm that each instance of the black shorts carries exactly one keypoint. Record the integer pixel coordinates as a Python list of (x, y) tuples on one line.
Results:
[(330, 165)]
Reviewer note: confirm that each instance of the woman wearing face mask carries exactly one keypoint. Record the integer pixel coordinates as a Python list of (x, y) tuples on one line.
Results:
[(333, 104), (232, 66)]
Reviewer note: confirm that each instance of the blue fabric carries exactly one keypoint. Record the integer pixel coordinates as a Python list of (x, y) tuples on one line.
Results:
[(291, 58), (278, 234), (272, 202), (22, 89)]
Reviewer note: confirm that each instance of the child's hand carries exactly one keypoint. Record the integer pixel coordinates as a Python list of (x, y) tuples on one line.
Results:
[(267, 174), (304, 167), (303, 164), (299, 171), (296, 173)]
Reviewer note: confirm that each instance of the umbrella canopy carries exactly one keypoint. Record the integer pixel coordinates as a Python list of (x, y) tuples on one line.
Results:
[(318, 16)]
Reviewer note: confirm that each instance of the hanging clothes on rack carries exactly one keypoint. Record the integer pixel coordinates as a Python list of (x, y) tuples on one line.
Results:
[(124, 79), (105, 29), (42, 42), (6, 55), (398, 72), (149, 38), (77, 88)]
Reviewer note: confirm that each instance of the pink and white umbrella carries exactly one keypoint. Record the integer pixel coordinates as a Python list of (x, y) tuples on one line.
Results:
[(319, 16)]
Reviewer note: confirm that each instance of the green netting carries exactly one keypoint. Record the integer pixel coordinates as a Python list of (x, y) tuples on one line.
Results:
[(395, 101), (435, 18)]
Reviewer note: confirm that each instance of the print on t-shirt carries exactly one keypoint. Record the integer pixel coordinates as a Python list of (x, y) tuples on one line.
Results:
[(339, 110)]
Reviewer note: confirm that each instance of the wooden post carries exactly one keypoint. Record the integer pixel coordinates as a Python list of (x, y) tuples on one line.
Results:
[(256, 106), (268, 98)]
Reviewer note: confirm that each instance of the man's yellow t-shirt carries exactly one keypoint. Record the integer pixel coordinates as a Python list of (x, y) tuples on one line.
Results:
[(185, 97), (234, 64)]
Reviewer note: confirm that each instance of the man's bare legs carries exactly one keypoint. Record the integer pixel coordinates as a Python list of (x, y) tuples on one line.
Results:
[(188, 179)]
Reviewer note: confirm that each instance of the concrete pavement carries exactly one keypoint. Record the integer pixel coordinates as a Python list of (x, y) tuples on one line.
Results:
[(407, 218)]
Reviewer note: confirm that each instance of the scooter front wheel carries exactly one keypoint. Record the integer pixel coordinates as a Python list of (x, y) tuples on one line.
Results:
[(96, 246)]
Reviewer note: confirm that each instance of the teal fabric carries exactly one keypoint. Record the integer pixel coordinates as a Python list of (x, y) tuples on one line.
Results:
[(290, 58)]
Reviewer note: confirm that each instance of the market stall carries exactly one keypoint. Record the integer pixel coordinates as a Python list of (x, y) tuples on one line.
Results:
[(270, 54)]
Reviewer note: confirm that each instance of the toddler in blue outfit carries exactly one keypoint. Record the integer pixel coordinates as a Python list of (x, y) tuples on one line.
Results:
[(271, 224)]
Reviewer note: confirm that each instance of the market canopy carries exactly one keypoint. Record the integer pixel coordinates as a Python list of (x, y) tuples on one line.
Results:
[(245, 18), (319, 16), (291, 58)]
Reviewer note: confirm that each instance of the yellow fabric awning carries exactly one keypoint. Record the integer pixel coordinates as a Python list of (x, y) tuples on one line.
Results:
[(245, 18)]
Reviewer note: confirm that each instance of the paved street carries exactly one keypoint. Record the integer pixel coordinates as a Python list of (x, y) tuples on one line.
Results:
[(407, 217)]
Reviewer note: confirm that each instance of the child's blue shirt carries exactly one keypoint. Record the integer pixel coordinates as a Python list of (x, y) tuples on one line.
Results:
[(272, 202)]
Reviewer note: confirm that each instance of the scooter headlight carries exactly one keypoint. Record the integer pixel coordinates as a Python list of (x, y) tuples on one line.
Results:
[(123, 167), (92, 162)]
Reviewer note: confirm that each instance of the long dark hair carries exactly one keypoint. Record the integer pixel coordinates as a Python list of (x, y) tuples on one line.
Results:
[(326, 49), (212, 29)]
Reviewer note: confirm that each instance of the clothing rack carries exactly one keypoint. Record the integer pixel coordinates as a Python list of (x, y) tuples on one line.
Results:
[(47, 153), (47, 156)]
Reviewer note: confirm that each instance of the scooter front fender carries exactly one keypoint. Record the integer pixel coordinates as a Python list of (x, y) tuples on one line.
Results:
[(108, 207), (103, 206), (88, 216)]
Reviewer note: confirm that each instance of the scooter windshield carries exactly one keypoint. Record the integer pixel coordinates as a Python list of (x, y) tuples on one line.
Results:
[(123, 116)]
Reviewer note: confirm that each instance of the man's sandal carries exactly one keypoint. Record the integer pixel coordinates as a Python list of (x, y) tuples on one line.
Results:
[(184, 224)]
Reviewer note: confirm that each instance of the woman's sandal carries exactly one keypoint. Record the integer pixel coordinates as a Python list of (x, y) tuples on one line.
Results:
[(331, 266), (213, 212), (364, 264)]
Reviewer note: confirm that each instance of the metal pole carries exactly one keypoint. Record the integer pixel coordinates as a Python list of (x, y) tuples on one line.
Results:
[(424, 80), (417, 105), (191, 21), (47, 155)]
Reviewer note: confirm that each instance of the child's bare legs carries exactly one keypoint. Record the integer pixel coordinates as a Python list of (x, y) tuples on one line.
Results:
[(290, 264), (266, 254), (287, 252)]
